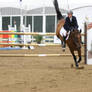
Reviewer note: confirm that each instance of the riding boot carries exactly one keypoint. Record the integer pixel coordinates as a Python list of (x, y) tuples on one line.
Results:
[(64, 43)]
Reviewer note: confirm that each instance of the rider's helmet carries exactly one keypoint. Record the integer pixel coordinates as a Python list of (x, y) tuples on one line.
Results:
[(70, 12)]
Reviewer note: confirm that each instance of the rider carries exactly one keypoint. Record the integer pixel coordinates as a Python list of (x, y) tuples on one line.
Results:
[(70, 24)]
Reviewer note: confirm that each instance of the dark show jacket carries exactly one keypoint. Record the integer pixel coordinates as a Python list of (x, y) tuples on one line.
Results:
[(69, 25)]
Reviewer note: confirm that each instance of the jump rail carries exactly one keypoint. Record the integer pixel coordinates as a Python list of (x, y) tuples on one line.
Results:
[(40, 45), (31, 33), (36, 55), (32, 55)]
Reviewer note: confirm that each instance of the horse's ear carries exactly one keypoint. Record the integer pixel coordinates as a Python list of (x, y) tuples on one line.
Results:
[(80, 31)]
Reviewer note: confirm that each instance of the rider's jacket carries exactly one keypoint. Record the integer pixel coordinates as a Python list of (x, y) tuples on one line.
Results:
[(70, 24)]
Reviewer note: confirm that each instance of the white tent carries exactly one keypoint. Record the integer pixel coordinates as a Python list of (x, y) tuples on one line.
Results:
[(30, 4)]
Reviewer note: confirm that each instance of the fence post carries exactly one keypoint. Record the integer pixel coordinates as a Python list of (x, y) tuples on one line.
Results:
[(85, 40)]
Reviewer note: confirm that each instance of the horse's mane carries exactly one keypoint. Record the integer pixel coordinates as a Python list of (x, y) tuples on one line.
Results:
[(73, 35), (75, 31)]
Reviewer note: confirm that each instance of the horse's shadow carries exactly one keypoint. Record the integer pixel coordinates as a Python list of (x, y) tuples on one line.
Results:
[(80, 67), (66, 67)]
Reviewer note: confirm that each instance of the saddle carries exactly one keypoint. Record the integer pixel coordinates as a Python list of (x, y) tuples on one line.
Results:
[(59, 26)]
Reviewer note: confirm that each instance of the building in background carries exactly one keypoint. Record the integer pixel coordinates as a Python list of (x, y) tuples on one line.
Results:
[(40, 19)]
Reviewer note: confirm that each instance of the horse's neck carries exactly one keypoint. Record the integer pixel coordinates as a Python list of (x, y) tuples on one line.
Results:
[(69, 41), (70, 45)]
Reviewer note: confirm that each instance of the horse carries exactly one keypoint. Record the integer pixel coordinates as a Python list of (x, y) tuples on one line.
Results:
[(73, 41)]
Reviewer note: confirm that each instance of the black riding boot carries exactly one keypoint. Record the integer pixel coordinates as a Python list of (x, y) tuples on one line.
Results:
[(64, 43)]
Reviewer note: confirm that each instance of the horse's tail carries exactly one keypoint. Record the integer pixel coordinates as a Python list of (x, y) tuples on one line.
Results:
[(59, 15)]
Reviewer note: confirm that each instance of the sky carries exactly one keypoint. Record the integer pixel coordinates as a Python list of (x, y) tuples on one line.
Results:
[(30, 4)]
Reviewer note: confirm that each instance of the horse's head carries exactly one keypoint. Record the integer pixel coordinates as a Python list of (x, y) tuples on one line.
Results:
[(76, 38)]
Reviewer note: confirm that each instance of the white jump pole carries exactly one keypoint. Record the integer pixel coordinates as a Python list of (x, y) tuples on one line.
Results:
[(37, 55)]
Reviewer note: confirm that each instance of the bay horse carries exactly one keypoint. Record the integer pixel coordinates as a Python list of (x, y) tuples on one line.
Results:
[(74, 40)]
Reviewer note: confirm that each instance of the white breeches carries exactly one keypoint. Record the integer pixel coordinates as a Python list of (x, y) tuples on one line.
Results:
[(63, 32)]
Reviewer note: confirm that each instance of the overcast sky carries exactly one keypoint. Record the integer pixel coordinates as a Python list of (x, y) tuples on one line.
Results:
[(30, 4)]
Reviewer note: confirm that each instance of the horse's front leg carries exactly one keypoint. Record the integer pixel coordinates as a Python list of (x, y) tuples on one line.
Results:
[(75, 59), (79, 54)]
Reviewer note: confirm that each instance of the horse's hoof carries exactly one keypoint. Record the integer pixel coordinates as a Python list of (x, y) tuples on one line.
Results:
[(77, 66)]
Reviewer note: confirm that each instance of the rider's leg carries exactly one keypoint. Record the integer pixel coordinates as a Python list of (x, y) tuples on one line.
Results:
[(64, 41), (63, 33)]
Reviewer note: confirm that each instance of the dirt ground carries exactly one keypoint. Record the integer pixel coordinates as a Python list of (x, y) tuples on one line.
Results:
[(43, 74)]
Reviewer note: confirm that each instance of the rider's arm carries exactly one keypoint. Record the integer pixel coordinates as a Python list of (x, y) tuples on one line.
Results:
[(75, 22), (67, 25)]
